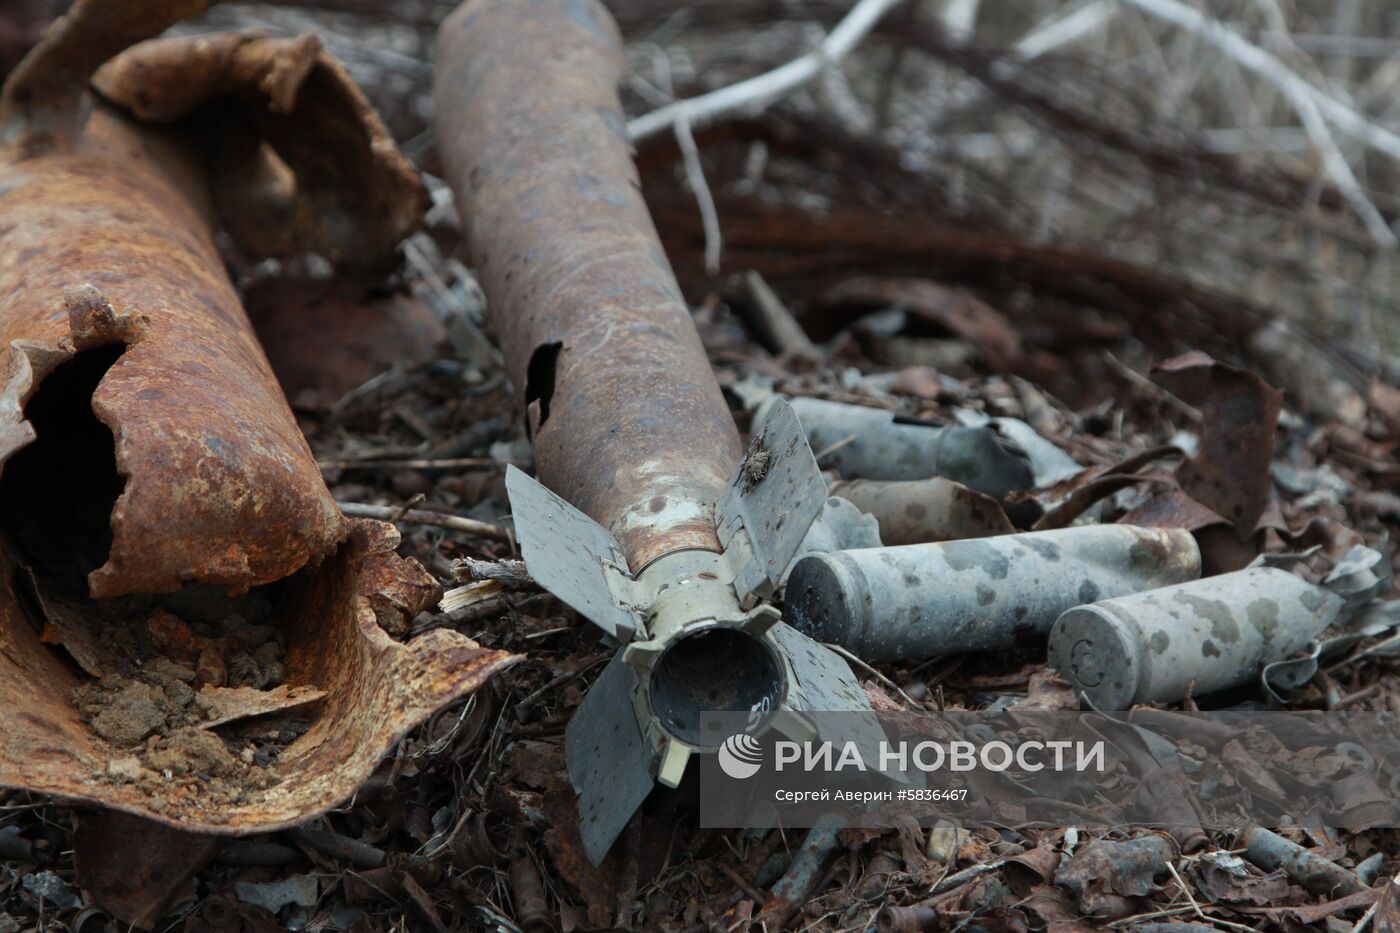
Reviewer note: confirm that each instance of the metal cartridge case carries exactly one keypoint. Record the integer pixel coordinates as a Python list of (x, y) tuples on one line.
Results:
[(1201, 636), (925, 600)]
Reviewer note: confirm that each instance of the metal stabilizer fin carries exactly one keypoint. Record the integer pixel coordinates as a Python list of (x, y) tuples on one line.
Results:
[(822, 682), (611, 765), (615, 741), (769, 505), (571, 555)]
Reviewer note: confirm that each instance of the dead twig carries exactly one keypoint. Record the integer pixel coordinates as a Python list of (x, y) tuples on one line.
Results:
[(1365, 920), (510, 574), (775, 320), (1138, 379), (695, 174), (385, 513), (1311, 104), (341, 848)]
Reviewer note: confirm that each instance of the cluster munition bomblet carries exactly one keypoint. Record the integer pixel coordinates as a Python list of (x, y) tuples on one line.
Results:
[(649, 517), (873, 443), (1202, 636), (923, 510), (983, 594)]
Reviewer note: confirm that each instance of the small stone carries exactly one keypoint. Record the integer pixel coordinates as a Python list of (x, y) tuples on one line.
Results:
[(125, 768), (53, 889), (168, 668), (243, 671)]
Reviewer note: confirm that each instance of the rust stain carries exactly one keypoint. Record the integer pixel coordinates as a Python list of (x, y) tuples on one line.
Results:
[(625, 409), (324, 338), (106, 241)]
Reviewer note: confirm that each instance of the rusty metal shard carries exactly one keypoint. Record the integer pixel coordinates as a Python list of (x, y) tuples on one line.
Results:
[(43, 97), (227, 704), (134, 869), (108, 270), (375, 690), (325, 338), (1230, 473), (220, 485), (299, 160)]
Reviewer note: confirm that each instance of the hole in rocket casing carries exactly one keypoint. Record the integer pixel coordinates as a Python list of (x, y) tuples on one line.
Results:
[(715, 670), (539, 378)]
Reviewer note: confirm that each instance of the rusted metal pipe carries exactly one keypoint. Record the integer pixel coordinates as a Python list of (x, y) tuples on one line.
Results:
[(107, 254), (625, 413)]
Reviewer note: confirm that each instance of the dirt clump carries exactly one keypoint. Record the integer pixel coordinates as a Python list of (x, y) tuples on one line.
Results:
[(192, 750), (124, 713), (165, 664)]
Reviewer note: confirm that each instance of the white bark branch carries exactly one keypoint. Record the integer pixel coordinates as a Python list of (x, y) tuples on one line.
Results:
[(695, 174), (1058, 30), (761, 90), (1309, 101), (1260, 62)]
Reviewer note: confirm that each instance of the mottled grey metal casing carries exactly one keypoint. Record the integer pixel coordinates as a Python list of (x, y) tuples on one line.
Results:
[(1201, 636), (925, 600), (873, 443)]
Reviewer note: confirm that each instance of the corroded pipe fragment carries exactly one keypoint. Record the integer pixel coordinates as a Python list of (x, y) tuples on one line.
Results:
[(1202, 636), (1320, 875), (926, 600), (297, 159), (148, 450)]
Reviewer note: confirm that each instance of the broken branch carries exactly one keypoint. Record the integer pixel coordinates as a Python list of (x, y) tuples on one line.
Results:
[(386, 513), (760, 91), (1260, 62)]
